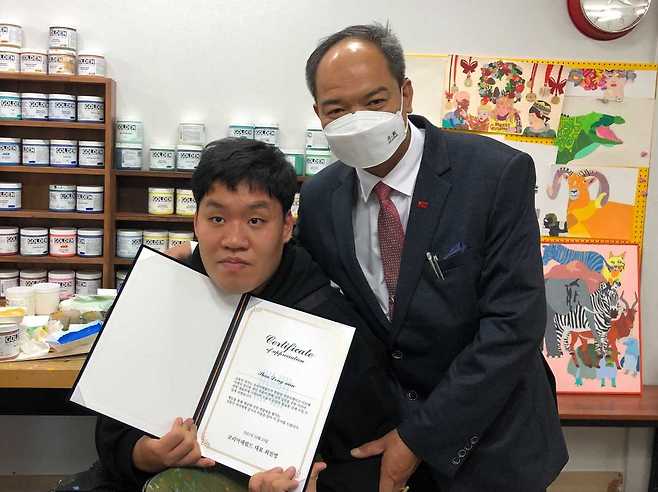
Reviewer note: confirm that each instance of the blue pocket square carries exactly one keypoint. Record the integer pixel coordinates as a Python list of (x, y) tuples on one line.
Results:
[(456, 249)]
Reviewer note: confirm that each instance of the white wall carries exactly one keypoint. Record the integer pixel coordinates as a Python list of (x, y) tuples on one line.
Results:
[(217, 60)]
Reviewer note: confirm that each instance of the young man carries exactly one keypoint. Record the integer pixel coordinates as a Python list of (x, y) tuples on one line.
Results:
[(244, 190)]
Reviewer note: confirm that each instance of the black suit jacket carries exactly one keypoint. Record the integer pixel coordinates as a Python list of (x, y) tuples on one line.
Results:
[(475, 391)]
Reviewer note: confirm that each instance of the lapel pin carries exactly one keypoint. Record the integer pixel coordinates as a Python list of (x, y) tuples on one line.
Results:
[(423, 204)]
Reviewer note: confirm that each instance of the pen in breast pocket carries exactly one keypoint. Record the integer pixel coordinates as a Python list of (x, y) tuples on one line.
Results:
[(435, 265)]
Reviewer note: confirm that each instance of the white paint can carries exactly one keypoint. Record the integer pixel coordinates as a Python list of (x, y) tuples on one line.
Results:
[(10, 196), (46, 298), (316, 160), (176, 238), (61, 198), (10, 59), (192, 134), (36, 152), (91, 153), (64, 153), (128, 155), (9, 339), (61, 62), (267, 132), (89, 64), (29, 278), (87, 282), (91, 109), (34, 61), (21, 297), (63, 241), (162, 158), (185, 203), (10, 106), (161, 201), (11, 35), (128, 242), (8, 240), (63, 37), (8, 278), (241, 130), (89, 199), (34, 106), (129, 132), (10, 151), (158, 240), (34, 241), (188, 157), (90, 242), (61, 107), (66, 281)]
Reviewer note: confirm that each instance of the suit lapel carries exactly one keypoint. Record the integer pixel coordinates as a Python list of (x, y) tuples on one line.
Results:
[(429, 197)]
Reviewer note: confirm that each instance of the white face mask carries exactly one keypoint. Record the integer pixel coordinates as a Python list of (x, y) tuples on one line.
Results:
[(366, 139)]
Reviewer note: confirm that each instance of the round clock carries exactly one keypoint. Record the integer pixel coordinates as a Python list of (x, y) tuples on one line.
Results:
[(607, 19)]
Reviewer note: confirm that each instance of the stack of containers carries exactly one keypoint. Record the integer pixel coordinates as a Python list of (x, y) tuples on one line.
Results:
[(317, 156), (129, 144), (62, 50), (191, 139), (11, 42), (265, 131)]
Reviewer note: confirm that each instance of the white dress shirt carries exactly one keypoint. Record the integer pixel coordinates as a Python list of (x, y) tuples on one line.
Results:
[(402, 180)]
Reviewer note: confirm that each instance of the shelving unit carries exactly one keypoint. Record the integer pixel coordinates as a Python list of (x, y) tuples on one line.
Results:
[(35, 180)]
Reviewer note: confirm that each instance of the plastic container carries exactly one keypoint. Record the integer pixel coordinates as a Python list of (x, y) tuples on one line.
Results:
[(46, 298), (120, 278), (192, 134), (296, 160), (10, 151), (61, 198), (127, 131), (10, 106), (161, 201), (61, 107), (9, 340), (89, 64), (128, 155), (63, 241), (64, 153), (8, 240), (66, 281), (91, 153), (176, 238), (8, 278), (10, 59), (241, 130), (61, 62), (87, 282), (90, 242), (34, 61), (267, 132), (158, 240), (34, 241), (34, 106), (185, 203), (315, 139), (128, 242), (91, 109), (188, 157), (10, 196), (29, 278), (21, 297), (162, 158), (63, 37), (36, 152), (89, 199), (11, 35), (316, 160)]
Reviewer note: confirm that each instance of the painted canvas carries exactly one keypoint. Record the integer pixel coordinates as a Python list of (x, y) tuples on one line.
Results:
[(592, 337), (597, 133), (491, 95), (427, 75), (611, 84)]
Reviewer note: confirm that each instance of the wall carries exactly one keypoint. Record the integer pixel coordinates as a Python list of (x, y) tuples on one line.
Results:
[(215, 61)]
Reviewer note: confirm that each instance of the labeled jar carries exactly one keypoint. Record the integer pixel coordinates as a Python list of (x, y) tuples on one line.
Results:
[(10, 346), (34, 106), (10, 151), (21, 297), (34, 61), (162, 158), (61, 107), (8, 278), (158, 240), (10, 59), (11, 35), (316, 139), (129, 132), (46, 298), (89, 199), (161, 201), (91, 109), (66, 281), (64, 153), (316, 160), (63, 37), (128, 242), (89, 64), (241, 130), (185, 203), (188, 157), (87, 282), (61, 198), (29, 278), (296, 160), (128, 155), (90, 242), (63, 241), (91, 153), (36, 152), (10, 106), (8, 240), (192, 134), (34, 241), (120, 278), (176, 238), (267, 132), (10, 196), (61, 62)]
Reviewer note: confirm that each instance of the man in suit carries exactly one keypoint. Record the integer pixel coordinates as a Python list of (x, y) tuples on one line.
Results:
[(433, 236)]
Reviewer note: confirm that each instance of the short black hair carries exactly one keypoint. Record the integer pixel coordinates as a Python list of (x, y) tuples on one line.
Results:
[(233, 161), (378, 34)]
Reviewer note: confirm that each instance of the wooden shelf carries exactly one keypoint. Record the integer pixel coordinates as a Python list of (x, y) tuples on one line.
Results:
[(70, 79), (72, 260), (155, 174), (47, 214), (640, 408), (123, 261), (52, 124), (95, 171), (135, 217)]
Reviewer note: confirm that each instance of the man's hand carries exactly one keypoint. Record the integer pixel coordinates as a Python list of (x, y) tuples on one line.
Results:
[(180, 252), (280, 480), (179, 447), (398, 461)]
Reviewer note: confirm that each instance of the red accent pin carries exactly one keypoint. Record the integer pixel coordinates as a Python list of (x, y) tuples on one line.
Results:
[(423, 204)]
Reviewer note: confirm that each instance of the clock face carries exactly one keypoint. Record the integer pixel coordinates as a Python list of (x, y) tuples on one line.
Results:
[(614, 16)]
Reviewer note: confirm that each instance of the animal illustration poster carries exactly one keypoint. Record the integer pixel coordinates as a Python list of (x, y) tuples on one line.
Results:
[(427, 75), (597, 133), (611, 84), (592, 336), (490, 95)]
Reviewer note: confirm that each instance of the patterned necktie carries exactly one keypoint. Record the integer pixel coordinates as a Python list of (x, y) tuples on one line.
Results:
[(391, 241)]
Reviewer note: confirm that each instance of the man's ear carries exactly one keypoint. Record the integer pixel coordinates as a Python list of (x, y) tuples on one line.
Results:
[(288, 224), (407, 96)]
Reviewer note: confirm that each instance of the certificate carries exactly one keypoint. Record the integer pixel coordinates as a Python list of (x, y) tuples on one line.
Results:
[(257, 377)]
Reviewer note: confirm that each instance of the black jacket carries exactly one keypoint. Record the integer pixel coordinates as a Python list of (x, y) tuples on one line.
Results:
[(363, 408)]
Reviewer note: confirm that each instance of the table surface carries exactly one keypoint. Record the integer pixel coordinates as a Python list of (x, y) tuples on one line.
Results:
[(49, 373)]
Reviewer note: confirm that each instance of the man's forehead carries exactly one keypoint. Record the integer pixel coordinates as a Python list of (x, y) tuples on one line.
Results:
[(244, 194)]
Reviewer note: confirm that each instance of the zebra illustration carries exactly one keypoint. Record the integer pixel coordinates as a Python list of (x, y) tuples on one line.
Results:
[(563, 255), (604, 308)]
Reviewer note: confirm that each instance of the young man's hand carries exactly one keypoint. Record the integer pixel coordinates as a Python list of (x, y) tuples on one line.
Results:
[(179, 447), (280, 480)]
